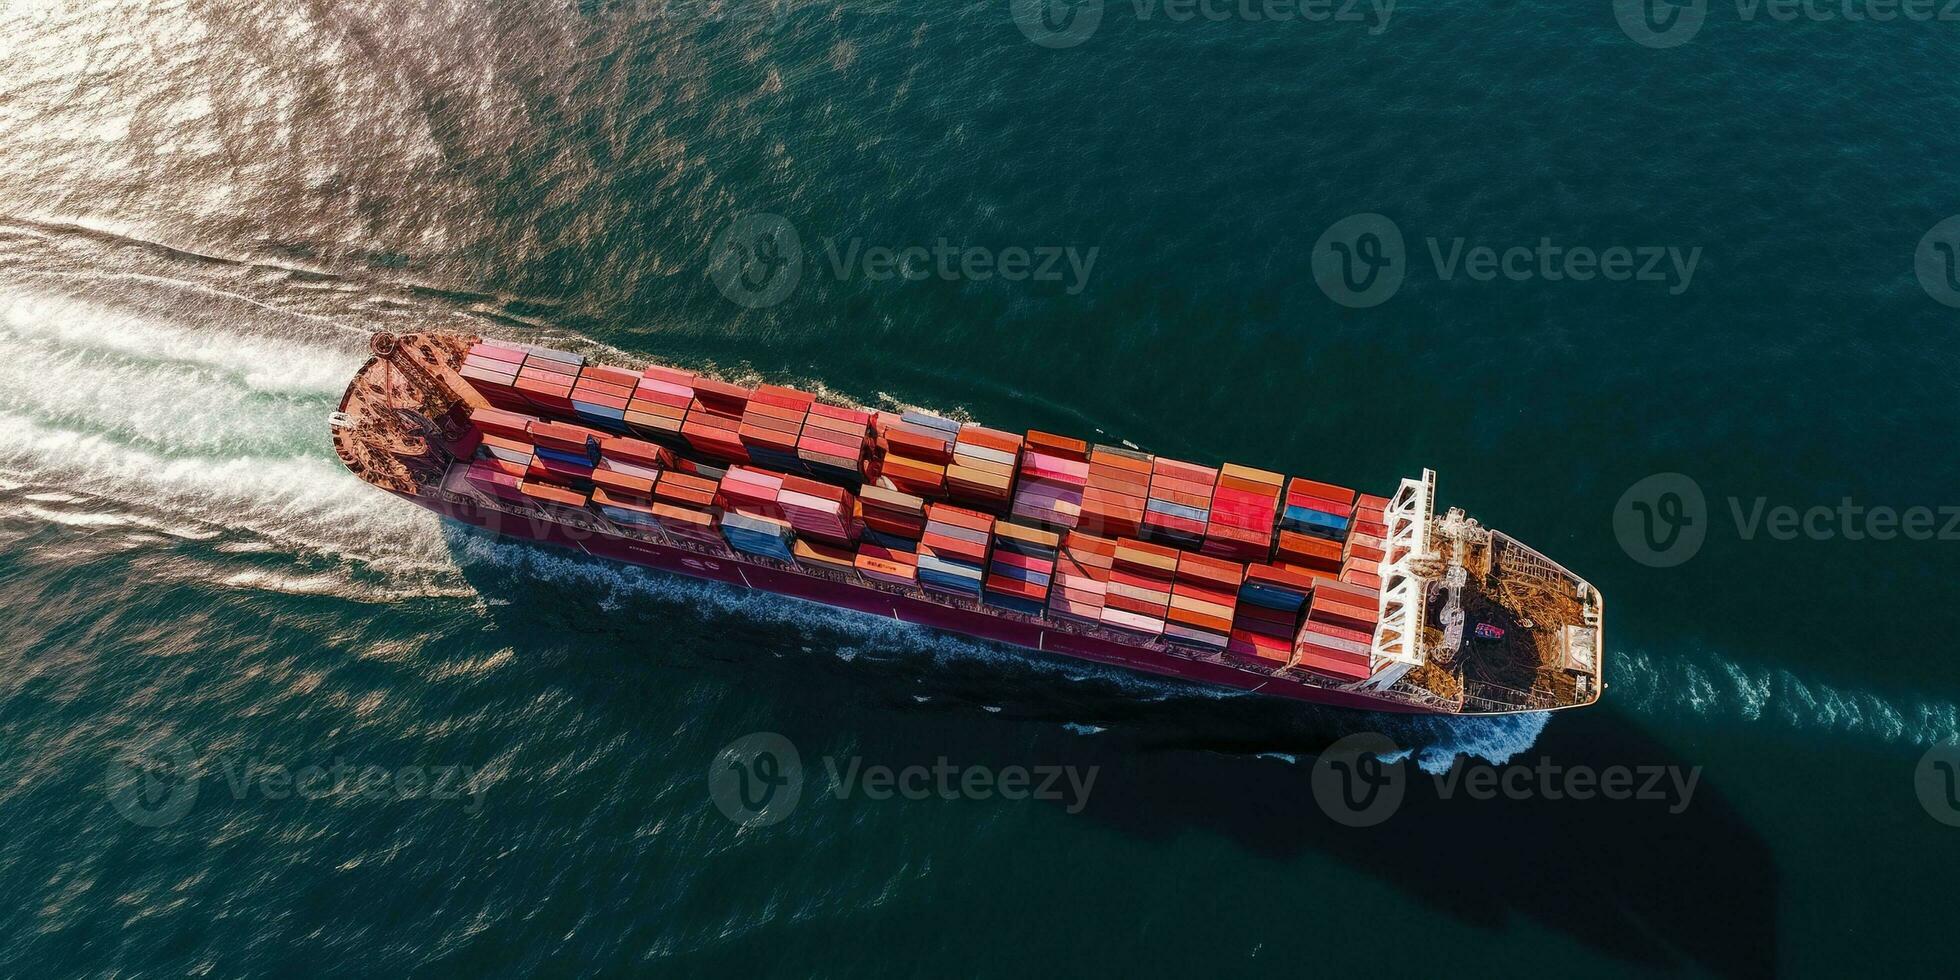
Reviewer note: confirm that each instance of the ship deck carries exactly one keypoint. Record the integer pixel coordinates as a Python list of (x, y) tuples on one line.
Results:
[(392, 430)]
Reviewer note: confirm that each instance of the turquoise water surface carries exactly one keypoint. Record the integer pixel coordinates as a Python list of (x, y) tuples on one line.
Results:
[(206, 208)]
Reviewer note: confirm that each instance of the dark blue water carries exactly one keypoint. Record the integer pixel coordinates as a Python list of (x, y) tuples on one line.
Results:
[(205, 208)]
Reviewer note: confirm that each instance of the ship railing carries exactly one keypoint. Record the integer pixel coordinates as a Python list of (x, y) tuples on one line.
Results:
[(1485, 696)]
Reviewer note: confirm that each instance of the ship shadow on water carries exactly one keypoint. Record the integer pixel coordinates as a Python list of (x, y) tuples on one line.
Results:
[(1628, 878), (1649, 887)]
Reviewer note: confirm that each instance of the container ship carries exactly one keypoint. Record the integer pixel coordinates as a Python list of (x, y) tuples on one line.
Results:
[(1224, 575)]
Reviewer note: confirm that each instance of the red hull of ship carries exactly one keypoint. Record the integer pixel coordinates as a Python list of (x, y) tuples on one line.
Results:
[(906, 609)]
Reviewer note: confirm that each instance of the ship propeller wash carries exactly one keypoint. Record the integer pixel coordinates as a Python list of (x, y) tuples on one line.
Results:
[(1223, 575)]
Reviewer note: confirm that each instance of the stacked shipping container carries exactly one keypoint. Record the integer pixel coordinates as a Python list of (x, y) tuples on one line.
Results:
[(832, 446), (1366, 543), (772, 423), (1179, 507), (1244, 507), (1021, 568), (1275, 572), (1118, 487), (659, 404), (1336, 639), (1140, 579), (892, 518), (1267, 618), (1054, 472), (1080, 590), (953, 552), (981, 472), (1202, 601), (714, 421), (917, 449)]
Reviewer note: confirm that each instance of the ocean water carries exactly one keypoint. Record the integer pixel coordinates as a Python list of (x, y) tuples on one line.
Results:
[(205, 209)]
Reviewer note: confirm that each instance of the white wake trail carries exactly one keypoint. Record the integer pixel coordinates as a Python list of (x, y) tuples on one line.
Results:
[(1712, 686), (222, 423)]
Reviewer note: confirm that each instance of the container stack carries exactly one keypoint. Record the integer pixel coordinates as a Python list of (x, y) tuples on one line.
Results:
[(833, 443), (600, 396), (516, 452), (892, 566), (752, 520), (1202, 601), (754, 534), (1266, 621), (498, 477), (1082, 568), (891, 518), (953, 552), (1244, 511), (819, 511), (638, 457), (553, 499), (1366, 543), (1314, 525), (1117, 489), (917, 449), (1179, 507), (981, 473), (772, 422), (714, 421), (685, 506), (1054, 472), (498, 422), (751, 491), (491, 368), (546, 378), (811, 553), (565, 453), (1140, 581), (1021, 568), (1337, 637), (622, 483), (1320, 509), (659, 405)]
